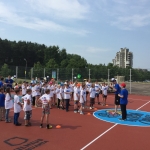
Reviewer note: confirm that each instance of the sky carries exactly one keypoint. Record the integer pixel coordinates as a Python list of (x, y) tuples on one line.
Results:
[(94, 29)]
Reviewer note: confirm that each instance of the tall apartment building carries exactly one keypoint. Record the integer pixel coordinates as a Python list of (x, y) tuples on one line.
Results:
[(123, 58)]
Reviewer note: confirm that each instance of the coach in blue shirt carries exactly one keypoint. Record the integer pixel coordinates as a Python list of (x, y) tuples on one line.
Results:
[(117, 91), (9, 82), (123, 101)]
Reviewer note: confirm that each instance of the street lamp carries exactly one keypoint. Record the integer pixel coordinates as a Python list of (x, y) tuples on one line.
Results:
[(25, 68)]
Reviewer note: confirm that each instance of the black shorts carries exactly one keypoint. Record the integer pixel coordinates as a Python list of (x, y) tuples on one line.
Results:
[(117, 99), (87, 92), (96, 94), (92, 101), (105, 96)]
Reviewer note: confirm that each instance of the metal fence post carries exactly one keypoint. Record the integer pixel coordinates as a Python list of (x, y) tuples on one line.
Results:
[(16, 72), (31, 73), (44, 72), (57, 74), (89, 74), (130, 81), (72, 74), (108, 76)]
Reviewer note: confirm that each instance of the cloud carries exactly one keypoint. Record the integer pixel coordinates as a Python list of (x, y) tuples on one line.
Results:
[(12, 16), (127, 15), (63, 9)]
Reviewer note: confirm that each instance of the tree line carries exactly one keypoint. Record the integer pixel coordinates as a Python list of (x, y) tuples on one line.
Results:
[(40, 56)]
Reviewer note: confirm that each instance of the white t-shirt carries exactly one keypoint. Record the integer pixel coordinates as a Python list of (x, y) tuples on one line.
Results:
[(58, 92), (76, 93), (104, 89), (61, 93), (17, 107), (88, 86), (92, 92), (51, 90), (29, 87), (83, 96), (45, 99), (37, 90), (33, 91), (24, 89), (8, 102), (67, 95), (97, 88), (27, 107)]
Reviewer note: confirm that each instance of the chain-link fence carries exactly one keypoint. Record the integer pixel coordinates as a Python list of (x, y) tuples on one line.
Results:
[(138, 82)]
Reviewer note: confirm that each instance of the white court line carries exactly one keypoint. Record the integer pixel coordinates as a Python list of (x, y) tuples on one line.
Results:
[(99, 136), (143, 105), (108, 130)]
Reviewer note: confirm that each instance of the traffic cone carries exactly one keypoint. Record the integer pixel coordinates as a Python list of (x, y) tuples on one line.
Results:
[(88, 114), (58, 127)]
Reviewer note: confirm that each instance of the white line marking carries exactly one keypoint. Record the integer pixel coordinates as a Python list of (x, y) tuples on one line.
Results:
[(143, 105), (99, 136), (108, 130)]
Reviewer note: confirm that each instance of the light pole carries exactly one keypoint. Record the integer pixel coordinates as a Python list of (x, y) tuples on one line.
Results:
[(25, 68)]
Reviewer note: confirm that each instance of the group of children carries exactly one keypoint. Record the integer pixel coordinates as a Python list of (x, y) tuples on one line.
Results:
[(47, 94)]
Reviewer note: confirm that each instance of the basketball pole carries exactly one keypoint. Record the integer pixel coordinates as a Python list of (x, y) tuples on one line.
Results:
[(130, 81)]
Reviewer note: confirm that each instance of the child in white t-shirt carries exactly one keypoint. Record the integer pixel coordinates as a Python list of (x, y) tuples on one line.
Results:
[(8, 104), (45, 100), (82, 98), (37, 93), (92, 96), (17, 107), (76, 97), (61, 96), (27, 107), (104, 93), (24, 88), (57, 96)]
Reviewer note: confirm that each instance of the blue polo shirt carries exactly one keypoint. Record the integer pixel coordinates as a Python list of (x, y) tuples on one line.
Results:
[(2, 100), (124, 100), (117, 87), (9, 82), (1, 84)]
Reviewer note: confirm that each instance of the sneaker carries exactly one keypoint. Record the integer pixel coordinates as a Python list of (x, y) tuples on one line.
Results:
[(120, 119), (75, 111), (19, 124), (83, 107), (81, 113), (29, 124), (78, 111), (90, 107), (49, 127)]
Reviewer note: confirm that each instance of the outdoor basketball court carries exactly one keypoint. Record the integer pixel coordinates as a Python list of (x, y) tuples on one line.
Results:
[(100, 130)]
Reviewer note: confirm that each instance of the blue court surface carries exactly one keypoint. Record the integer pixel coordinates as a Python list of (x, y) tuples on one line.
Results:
[(134, 117)]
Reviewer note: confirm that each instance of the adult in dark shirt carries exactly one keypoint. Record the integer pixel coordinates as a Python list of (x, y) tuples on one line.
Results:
[(9, 82), (117, 90)]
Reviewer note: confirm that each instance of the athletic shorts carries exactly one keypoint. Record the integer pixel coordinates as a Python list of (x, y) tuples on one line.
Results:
[(96, 94), (45, 109), (28, 115), (82, 104), (92, 101), (104, 96), (87, 92), (117, 99), (76, 101)]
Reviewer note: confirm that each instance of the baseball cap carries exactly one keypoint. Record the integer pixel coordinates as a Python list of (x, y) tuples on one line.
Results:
[(65, 83), (123, 85)]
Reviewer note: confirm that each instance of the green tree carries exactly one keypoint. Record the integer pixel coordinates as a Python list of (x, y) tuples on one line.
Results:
[(5, 71)]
